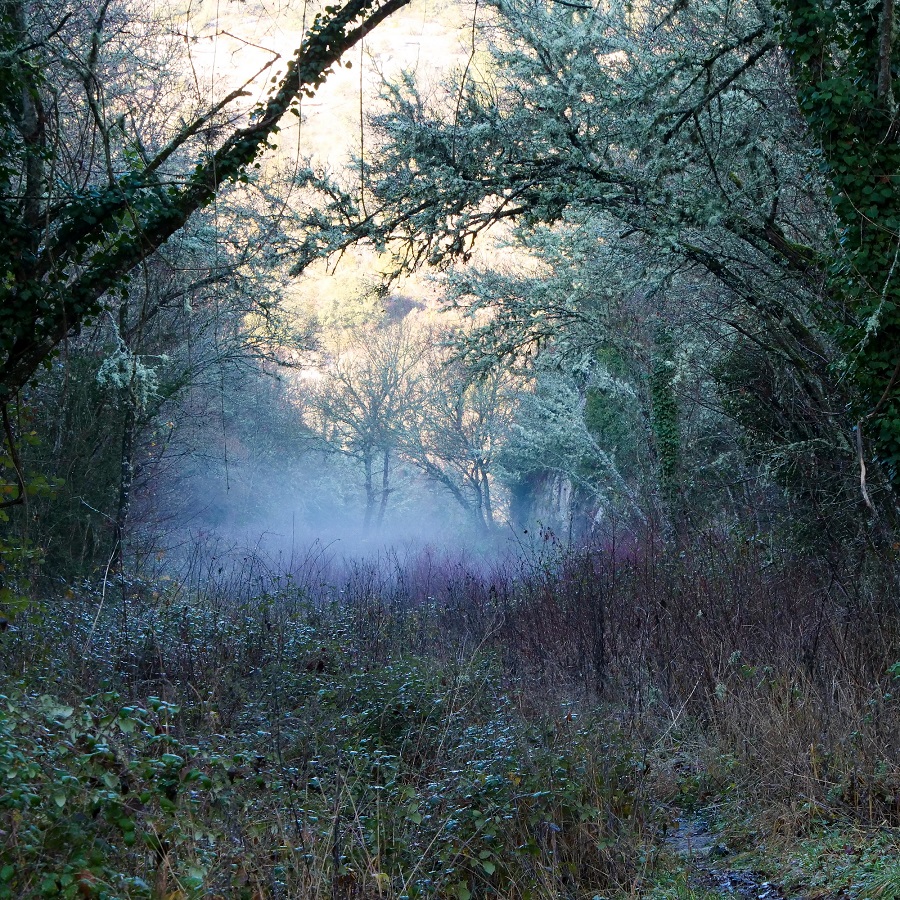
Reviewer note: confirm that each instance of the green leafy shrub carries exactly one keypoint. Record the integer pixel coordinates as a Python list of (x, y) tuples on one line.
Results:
[(99, 799), (335, 776), (18, 555)]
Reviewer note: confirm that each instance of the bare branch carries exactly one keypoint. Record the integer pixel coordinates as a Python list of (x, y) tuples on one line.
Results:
[(119, 246), (19, 499), (719, 89)]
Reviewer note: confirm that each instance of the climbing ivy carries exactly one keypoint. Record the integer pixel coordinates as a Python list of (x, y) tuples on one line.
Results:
[(843, 57), (664, 417)]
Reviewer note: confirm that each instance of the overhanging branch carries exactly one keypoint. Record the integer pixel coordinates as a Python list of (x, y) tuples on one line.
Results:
[(118, 246)]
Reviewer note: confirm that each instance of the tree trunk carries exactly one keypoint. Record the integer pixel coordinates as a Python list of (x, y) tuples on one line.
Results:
[(477, 508), (884, 53), (31, 125), (370, 492), (385, 486), (126, 457), (486, 499)]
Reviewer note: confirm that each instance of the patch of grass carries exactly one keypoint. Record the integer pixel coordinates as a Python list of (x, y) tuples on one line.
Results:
[(884, 883), (836, 860), (674, 883)]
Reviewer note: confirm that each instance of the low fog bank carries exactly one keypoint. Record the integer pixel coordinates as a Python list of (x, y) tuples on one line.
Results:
[(309, 512), (253, 482)]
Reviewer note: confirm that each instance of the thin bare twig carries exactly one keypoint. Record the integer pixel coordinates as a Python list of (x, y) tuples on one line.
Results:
[(864, 490)]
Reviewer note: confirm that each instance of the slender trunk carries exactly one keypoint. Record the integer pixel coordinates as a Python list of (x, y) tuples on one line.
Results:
[(370, 492), (385, 486), (474, 479), (126, 475), (666, 426), (486, 494), (126, 456)]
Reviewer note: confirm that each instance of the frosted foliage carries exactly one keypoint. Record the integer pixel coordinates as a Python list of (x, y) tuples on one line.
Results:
[(653, 151), (125, 371)]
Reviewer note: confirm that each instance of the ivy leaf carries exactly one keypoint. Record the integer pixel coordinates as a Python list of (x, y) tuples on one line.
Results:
[(54, 710)]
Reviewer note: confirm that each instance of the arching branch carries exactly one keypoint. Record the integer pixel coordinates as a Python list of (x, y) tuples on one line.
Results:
[(113, 245)]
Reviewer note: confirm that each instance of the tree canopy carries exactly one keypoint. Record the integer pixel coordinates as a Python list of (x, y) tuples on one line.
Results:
[(692, 243), (672, 141)]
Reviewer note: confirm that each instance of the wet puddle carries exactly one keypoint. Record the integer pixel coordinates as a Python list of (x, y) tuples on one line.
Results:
[(707, 857)]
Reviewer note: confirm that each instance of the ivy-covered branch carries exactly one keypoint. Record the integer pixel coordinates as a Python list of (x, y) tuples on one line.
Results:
[(106, 233)]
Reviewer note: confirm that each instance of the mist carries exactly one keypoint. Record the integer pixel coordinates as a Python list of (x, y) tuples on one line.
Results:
[(308, 504)]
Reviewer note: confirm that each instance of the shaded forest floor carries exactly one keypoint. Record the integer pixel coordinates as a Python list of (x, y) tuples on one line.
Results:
[(594, 723)]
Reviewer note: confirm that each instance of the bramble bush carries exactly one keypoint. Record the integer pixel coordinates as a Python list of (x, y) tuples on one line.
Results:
[(327, 773)]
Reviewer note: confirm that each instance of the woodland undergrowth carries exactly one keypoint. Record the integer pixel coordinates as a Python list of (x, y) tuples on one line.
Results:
[(422, 727)]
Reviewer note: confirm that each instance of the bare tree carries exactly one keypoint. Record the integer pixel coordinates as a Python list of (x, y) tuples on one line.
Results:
[(461, 423), (364, 403)]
